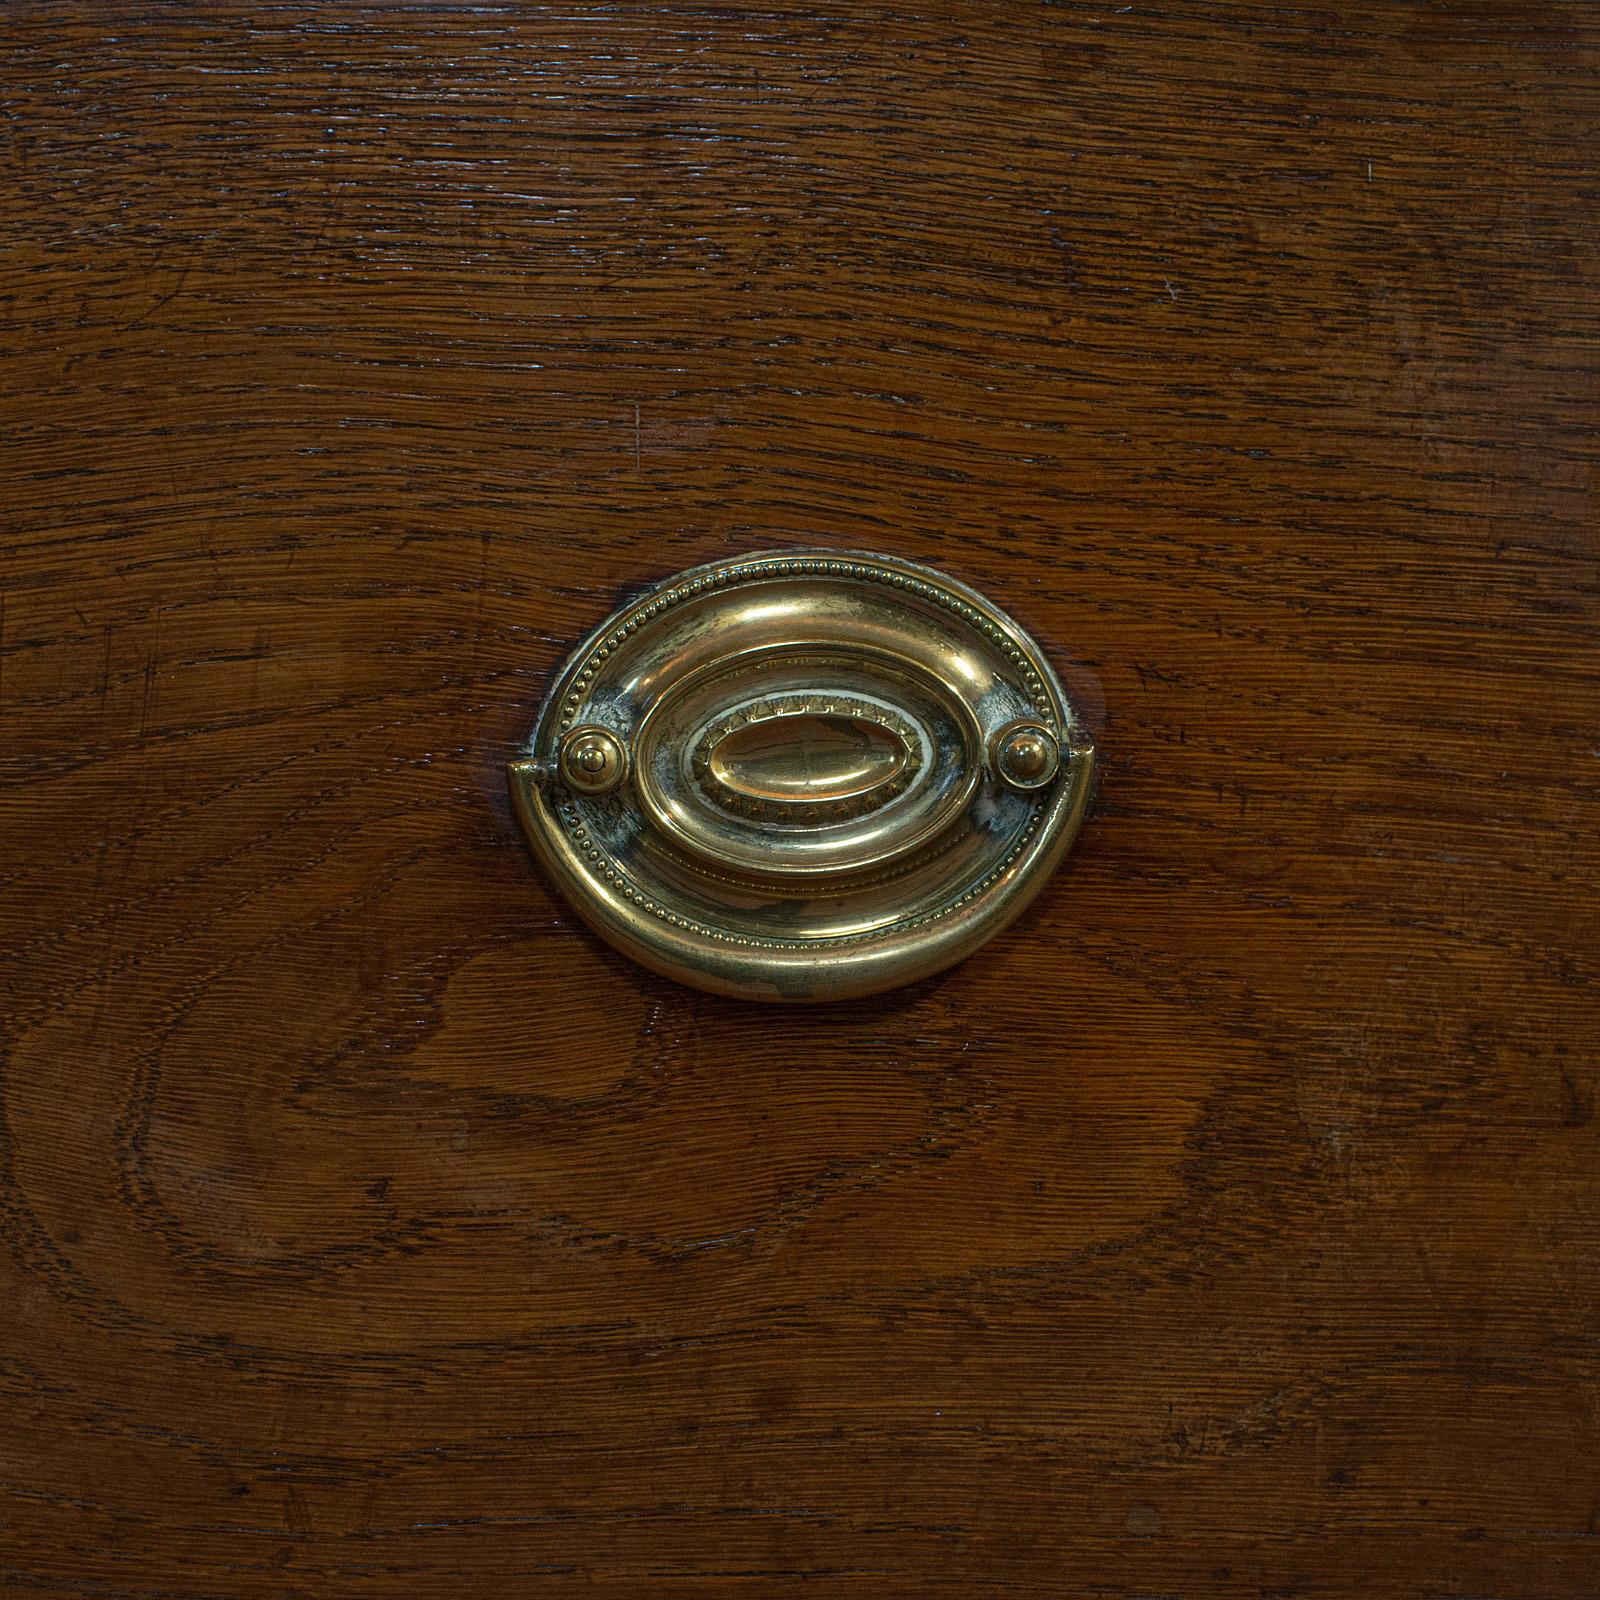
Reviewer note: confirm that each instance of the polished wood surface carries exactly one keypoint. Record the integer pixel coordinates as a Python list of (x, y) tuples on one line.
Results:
[(1228, 1228)]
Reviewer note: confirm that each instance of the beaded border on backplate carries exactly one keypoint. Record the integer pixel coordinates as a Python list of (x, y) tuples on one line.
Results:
[(646, 609)]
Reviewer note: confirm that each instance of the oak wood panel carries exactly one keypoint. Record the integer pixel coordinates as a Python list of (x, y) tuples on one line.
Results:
[(1228, 1228)]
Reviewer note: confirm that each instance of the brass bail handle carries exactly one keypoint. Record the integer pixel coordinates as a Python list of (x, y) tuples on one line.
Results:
[(804, 776)]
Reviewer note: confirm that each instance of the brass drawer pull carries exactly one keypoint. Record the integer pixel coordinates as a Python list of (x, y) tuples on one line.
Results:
[(804, 776)]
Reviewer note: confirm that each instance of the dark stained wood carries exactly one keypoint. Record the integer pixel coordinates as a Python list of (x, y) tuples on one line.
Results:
[(1229, 1228)]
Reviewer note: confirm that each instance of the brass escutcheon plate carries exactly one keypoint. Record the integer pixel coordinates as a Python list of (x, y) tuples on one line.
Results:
[(804, 775)]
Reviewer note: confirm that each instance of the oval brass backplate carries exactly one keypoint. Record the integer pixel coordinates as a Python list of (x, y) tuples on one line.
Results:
[(805, 775)]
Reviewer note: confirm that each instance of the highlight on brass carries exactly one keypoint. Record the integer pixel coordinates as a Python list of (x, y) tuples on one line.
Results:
[(803, 776)]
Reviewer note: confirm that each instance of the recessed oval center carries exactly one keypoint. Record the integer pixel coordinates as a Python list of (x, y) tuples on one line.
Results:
[(807, 759)]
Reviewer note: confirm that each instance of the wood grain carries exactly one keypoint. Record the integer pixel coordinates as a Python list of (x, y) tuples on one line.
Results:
[(1229, 1228)]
